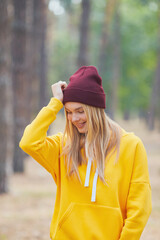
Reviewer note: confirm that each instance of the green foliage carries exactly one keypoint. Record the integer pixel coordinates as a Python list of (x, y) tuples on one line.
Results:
[(66, 4), (139, 34), (138, 48), (63, 50)]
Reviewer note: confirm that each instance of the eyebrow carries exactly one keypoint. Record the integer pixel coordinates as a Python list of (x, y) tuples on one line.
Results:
[(74, 109)]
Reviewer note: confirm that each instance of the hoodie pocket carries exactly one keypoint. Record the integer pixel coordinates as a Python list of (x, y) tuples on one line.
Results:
[(91, 222)]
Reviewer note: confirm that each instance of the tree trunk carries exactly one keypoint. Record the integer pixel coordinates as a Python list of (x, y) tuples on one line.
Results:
[(155, 97), (126, 115), (109, 11), (43, 57), (154, 105), (116, 65), (6, 118), (20, 85), (39, 57), (29, 55), (83, 55)]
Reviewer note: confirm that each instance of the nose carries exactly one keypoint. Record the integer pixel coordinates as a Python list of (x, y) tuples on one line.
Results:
[(74, 117)]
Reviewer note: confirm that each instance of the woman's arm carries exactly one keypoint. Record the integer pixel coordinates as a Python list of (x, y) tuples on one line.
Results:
[(138, 207), (35, 142)]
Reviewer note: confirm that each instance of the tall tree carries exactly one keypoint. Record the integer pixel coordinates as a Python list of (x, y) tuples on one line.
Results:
[(43, 56), (39, 78), (113, 106), (29, 55), (6, 141), (108, 16), (19, 78), (155, 97), (83, 55)]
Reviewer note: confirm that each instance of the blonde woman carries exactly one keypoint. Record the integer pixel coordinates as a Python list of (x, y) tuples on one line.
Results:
[(101, 171)]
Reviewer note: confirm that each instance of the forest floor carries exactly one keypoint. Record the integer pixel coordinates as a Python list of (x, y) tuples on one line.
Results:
[(26, 211)]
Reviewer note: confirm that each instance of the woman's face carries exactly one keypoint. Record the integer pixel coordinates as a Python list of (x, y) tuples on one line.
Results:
[(77, 116)]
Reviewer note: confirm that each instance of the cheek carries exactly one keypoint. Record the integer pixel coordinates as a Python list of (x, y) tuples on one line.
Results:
[(69, 117), (84, 118)]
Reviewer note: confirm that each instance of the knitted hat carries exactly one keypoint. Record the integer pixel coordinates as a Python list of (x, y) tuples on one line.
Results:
[(85, 86)]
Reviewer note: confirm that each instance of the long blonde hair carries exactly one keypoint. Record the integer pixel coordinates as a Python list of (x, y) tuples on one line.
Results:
[(103, 135)]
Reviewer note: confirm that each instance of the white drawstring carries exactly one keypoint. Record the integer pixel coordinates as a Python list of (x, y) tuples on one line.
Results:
[(88, 172), (93, 198)]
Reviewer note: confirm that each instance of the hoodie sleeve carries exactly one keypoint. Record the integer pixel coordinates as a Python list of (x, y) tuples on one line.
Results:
[(139, 206), (44, 149)]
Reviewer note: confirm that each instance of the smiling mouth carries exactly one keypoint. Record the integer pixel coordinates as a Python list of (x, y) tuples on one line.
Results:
[(80, 125)]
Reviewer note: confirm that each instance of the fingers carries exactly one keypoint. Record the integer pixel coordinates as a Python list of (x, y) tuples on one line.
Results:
[(63, 84), (59, 84), (57, 89)]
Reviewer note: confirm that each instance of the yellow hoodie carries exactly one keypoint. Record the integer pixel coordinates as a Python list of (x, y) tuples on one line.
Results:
[(92, 210)]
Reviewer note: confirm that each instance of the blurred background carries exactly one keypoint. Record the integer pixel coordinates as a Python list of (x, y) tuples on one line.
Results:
[(44, 41)]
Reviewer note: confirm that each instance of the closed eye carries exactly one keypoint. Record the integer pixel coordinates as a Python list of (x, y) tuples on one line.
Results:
[(81, 112)]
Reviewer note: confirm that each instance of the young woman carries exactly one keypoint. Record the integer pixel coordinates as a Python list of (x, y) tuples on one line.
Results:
[(101, 171)]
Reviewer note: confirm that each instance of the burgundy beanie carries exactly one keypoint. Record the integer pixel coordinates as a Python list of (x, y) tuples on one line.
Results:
[(85, 86)]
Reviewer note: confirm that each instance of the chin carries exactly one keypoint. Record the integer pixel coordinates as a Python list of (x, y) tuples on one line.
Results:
[(82, 131)]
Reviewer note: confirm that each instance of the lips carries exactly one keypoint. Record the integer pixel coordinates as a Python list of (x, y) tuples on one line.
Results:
[(80, 125)]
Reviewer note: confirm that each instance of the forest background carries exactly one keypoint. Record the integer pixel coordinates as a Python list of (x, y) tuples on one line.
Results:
[(44, 41)]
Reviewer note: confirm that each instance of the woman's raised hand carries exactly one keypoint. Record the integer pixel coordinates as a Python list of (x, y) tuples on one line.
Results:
[(57, 89)]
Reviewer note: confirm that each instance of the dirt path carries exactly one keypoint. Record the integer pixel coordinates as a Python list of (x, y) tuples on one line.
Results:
[(26, 212)]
